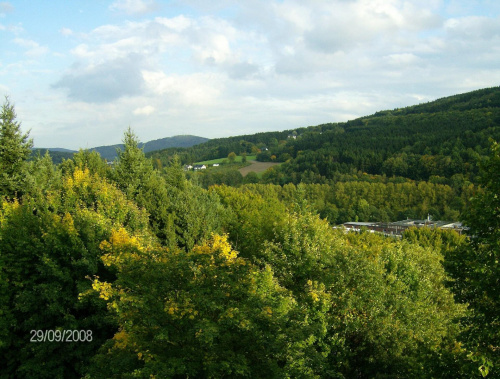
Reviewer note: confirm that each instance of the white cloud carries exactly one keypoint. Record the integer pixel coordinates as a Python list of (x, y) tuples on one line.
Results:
[(473, 27), (147, 38), (402, 60), (214, 49), (185, 90), (33, 49), (134, 7), (14, 29), (5, 7), (178, 23), (335, 26), (104, 82), (66, 31), (4, 89), (240, 67), (146, 110)]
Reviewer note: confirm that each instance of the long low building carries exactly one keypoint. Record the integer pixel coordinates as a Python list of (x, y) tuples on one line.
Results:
[(397, 228)]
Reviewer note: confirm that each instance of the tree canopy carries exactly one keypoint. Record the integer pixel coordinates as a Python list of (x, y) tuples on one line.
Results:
[(174, 275), (15, 149)]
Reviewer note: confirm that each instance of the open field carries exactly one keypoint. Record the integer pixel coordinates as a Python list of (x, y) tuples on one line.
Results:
[(256, 167), (220, 160)]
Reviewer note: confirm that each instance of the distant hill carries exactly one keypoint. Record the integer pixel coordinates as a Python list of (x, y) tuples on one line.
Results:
[(109, 152), (176, 141), (60, 150), (56, 154)]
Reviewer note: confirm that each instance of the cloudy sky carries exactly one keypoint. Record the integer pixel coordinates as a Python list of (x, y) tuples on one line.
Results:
[(80, 72)]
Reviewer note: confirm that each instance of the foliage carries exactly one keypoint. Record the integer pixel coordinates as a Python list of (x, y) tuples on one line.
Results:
[(88, 159), (477, 268), (187, 277), (205, 313), (226, 174), (386, 308), (49, 245), (57, 156), (180, 213), (15, 149), (364, 201), (43, 176)]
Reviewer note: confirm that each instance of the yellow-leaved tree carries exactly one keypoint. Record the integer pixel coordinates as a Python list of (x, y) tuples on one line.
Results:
[(49, 248), (202, 313)]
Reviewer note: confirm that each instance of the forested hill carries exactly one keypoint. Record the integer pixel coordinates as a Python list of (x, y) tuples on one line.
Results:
[(436, 140), (483, 98)]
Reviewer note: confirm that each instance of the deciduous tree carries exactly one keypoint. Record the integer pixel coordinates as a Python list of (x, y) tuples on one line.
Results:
[(49, 246), (206, 313), (477, 270)]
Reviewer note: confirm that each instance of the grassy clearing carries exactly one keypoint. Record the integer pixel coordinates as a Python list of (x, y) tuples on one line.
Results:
[(220, 160), (258, 167)]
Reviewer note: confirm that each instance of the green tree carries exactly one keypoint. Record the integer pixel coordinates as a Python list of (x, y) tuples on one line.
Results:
[(174, 174), (49, 246), (15, 149), (251, 177), (180, 213), (477, 269), (371, 306), (44, 176), (132, 169), (86, 158), (231, 156), (206, 313), (134, 175)]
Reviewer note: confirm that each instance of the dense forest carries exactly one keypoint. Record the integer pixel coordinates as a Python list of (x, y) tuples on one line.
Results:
[(426, 155), (141, 269)]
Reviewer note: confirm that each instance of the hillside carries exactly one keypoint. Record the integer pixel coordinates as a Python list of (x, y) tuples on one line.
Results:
[(440, 141)]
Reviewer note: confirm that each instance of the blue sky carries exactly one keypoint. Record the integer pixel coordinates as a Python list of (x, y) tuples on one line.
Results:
[(80, 72)]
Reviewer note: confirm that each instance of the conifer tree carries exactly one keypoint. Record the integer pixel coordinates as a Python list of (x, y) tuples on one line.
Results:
[(132, 168), (15, 148)]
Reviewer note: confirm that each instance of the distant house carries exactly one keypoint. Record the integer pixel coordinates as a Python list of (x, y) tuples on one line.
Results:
[(188, 167), (215, 165), (199, 167)]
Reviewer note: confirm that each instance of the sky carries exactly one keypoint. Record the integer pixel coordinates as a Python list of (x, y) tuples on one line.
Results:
[(80, 72)]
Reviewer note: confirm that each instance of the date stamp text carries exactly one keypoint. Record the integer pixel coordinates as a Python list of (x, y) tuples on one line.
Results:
[(61, 335)]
